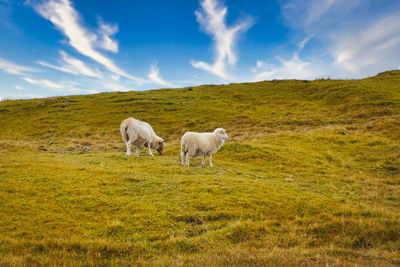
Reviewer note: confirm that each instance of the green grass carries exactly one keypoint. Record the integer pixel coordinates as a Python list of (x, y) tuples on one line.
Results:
[(309, 176)]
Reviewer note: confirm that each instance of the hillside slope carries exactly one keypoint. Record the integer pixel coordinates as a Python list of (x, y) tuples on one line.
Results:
[(310, 175), (246, 110)]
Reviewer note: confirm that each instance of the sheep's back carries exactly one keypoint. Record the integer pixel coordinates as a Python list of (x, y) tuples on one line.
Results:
[(142, 129), (201, 141)]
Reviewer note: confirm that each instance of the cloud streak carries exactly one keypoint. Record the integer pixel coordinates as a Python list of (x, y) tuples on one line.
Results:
[(293, 68), (369, 50), (106, 31), (316, 16), (306, 12), (16, 69), (212, 19), (73, 66), (352, 41), (67, 20), (154, 76), (44, 83)]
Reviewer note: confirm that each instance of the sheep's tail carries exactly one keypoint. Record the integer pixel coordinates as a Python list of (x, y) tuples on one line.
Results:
[(124, 133)]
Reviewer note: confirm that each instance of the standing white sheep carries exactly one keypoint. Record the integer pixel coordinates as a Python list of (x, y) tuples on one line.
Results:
[(201, 144), (140, 134)]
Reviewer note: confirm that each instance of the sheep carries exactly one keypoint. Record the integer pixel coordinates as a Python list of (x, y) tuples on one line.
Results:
[(201, 144), (140, 134)]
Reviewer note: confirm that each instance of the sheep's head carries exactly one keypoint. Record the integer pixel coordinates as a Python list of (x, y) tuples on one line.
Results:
[(160, 146), (221, 133)]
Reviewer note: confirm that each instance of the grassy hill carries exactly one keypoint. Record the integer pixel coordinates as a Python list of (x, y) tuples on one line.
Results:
[(310, 175)]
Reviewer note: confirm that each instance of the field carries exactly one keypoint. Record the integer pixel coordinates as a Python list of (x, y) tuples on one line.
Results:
[(309, 176)]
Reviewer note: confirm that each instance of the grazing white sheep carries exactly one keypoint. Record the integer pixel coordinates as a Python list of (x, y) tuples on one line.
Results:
[(140, 134), (201, 144)]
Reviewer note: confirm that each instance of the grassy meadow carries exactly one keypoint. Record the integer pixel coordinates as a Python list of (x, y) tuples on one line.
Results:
[(309, 176)]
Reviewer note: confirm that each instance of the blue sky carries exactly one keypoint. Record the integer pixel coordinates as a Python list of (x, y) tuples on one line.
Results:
[(63, 47)]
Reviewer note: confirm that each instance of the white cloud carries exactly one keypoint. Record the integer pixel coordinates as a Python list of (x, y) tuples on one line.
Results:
[(115, 77), (16, 69), (66, 19), (293, 68), (44, 83), (73, 66), (306, 11), (60, 68), (154, 76), (305, 41), (315, 15), (16, 96), (104, 84), (317, 10), (369, 50), (109, 85), (212, 19), (352, 41), (63, 87), (93, 91), (107, 30)]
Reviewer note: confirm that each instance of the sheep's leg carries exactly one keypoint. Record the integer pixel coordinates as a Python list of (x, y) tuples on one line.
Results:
[(182, 158), (137, 151), (187, 159), (128, 148), (150, 153), (211, 161), (203, 161)]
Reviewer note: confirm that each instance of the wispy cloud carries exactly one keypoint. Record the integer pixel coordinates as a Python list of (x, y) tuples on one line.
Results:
[(212, 19), (303, 43), (63, 87), (60, 68), (44, 83), (317, 15), (293, 68), (18, 96), (306, 11), (73, 66), (106, 31), (355, 42), (109, 85), (154, 76), (16, 69), (66, 19), (369, 50)]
